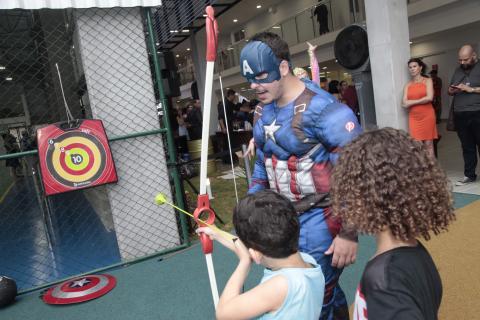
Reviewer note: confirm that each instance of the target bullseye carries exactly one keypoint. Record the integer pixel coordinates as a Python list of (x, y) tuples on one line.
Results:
[(76, 159)]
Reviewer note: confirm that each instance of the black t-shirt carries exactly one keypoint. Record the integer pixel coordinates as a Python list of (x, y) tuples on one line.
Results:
[(230, 107), (464, 101), (401, 284)]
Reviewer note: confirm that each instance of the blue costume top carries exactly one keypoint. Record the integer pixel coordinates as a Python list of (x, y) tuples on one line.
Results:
[(305, 292), (297, 146)]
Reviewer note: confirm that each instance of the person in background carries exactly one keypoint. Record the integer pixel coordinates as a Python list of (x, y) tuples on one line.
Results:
[(349, 97), (11, 146), (437, 102), (333, 89), (181, 117), (194, 120), (324, 83), (417, 98), (230, 108), (437, 94), (465, 89), (387, 185), (293, 283), (230, 112)]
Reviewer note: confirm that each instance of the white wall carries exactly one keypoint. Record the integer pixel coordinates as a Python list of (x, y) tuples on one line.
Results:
[(283, 11)]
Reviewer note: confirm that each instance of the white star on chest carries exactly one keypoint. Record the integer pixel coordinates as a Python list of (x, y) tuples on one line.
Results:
[(270, 130)]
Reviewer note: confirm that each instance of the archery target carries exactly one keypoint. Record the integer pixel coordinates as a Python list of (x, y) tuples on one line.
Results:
[(75, 158)]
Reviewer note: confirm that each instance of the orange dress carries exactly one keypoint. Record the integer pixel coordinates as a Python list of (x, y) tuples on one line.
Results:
[(421, 118)]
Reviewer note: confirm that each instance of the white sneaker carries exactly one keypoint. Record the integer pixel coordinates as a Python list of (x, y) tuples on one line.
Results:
[(464, 181)]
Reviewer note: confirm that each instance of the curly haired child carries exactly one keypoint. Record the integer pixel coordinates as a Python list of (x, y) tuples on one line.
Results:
[(387, 185)]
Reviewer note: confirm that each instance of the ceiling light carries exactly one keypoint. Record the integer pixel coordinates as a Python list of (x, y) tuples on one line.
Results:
[(243, 30), (230, 48), (157, 43), (336, 60), (9, 78), (235, 20), (276, 27), (185, 30), (410, 42), (188, 49), (2, 68), (205, 15), (178, 56), (323, 68), (259, 6)]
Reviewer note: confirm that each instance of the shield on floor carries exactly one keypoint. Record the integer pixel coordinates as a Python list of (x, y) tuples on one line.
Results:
[(80, 289)]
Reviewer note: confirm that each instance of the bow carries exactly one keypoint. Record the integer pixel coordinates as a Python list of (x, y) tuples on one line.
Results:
[(203, 203)]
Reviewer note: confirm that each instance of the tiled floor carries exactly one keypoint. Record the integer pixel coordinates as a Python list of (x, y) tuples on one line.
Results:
[(451, 159), (39, 246)]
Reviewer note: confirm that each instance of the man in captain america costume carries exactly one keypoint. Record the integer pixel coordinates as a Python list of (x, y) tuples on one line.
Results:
[(298, 133)]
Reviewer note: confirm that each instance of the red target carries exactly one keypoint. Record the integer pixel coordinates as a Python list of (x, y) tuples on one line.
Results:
[(74, 158)]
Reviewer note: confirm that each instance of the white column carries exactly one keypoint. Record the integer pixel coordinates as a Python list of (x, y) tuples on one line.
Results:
[(120, 92), (388, 43)]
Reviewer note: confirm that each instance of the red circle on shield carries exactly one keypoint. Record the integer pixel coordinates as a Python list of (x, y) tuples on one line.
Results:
[(80, 289)]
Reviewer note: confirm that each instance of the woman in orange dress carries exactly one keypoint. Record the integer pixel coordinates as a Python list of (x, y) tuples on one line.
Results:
[(417, 97)]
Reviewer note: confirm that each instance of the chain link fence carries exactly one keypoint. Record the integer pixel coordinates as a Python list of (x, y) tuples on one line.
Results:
[(107, 72)]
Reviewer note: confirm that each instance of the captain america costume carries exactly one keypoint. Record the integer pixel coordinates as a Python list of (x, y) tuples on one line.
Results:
[(297, 145)]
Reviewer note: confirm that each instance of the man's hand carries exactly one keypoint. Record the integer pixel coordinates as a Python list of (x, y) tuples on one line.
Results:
[(344, 252), (465, 88)]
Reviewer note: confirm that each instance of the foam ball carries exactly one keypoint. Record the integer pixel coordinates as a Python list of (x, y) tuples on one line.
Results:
[(160, 198)]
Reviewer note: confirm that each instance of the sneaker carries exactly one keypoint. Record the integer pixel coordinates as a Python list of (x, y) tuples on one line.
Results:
[(464, 181)]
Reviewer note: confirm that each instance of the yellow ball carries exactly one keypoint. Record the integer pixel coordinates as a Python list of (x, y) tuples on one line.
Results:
[(160, 198)]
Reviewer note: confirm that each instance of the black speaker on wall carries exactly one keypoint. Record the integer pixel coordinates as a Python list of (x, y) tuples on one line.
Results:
[(169, 73), (351, 52)]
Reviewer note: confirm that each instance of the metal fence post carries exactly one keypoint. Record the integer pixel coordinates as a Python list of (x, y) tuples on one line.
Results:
[(172, 154)]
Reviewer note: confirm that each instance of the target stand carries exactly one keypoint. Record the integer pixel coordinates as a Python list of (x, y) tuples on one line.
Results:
[(74, 155)]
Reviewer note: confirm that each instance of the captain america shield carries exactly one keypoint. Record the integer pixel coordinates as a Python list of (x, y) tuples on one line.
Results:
[(80, 289)]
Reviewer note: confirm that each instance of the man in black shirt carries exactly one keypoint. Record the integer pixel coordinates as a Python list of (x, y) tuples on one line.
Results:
[(230, 107), (194, 120), (465, 89)]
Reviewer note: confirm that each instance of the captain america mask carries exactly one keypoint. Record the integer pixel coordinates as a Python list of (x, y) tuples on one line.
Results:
[(258, 58)]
